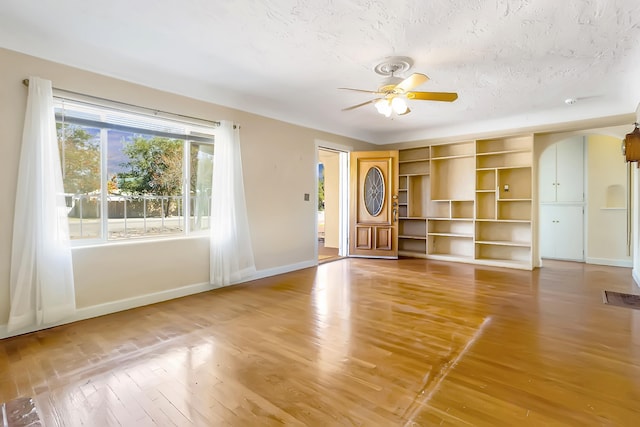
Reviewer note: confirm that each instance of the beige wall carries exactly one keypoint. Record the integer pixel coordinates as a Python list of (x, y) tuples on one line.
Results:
[(606, 200), (279, 167), (331, 161)]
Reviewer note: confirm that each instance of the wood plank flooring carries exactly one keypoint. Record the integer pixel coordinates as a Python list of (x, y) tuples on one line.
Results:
[(352, 342)]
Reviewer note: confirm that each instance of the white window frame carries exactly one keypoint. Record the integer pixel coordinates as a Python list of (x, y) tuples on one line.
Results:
[(109, 106)]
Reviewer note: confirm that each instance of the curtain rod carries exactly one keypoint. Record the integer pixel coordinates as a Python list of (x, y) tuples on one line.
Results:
[(153, 111)]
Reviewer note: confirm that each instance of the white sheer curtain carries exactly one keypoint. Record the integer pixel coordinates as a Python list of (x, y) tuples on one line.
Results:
[(41, 278), (231, 250)]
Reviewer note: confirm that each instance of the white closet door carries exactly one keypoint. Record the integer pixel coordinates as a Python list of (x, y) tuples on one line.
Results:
[(570, 170), (562, 232), (547, 172), (570, 233), (547, 232)]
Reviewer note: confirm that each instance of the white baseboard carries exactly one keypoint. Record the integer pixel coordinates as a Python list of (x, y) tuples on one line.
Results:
[(610, 262), (636, 276), (261, 274), (142, 300), (115, 306)]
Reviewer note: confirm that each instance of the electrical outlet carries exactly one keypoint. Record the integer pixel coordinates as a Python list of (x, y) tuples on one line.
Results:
[(506, 188), (306, 197)]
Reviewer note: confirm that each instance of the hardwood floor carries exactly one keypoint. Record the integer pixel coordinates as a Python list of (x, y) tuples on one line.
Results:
[(352, 342)]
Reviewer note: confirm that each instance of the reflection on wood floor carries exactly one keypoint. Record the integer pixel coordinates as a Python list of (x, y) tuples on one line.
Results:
[(352, 342)]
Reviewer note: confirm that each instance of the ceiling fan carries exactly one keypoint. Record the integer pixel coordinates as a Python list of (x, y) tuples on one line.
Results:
[(394, 92)]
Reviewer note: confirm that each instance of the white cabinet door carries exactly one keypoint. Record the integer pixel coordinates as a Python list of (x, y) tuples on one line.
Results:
[(547, 232), (561, 232), (561, 170), (547, 172), (569, 235), (570, 170)]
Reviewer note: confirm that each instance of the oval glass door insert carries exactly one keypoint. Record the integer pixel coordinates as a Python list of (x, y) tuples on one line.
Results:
[(374, 191)]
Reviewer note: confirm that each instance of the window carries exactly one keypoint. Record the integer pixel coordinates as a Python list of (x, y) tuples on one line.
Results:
[(129, 175)]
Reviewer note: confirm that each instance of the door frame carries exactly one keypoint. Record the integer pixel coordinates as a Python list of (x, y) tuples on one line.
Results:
[(343, 220), (386, 162)]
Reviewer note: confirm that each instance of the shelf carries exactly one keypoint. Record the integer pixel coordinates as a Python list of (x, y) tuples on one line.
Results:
[(418, 154), (521, 221), (486, 205), (465, 236), (451, 219), (413, 228), (439, 209), (413, 161), (412, 247), (450, 245), (493, 153), (412, 253), (421, 218), (514, 234), (414, 167), (453, 178), (451, 151), (454, 258), (485, 191), (514, 200), (517, 180), (402, 183), (486, 180), (503, 243), (503, 253), (414, 174), (504, 161), (506, 263), (462, 209), (504, 145), (502, 168), (458, 156), (412, 237), (516, 209), (418, 189)]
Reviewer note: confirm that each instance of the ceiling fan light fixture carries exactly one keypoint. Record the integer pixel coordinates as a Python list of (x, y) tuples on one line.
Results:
[(399, 105), (383, 106)]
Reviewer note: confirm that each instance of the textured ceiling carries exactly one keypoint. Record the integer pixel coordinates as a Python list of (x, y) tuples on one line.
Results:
[(512, 62)]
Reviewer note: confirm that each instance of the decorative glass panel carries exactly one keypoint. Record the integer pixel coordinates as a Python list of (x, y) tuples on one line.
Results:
[(374, 191)]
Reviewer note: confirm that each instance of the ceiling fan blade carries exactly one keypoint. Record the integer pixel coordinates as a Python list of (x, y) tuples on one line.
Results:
[(353, 107), (433, 96), (361, 90), (415, 79)]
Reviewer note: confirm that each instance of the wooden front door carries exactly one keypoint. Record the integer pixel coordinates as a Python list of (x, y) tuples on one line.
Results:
[(373, 206)]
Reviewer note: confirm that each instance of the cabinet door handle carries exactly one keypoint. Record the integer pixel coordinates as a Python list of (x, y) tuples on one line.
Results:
[(395, 215)]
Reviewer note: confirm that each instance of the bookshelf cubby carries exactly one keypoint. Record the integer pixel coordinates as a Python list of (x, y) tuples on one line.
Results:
[(413, 201), (504, 201), (455, 150), (451, 248)]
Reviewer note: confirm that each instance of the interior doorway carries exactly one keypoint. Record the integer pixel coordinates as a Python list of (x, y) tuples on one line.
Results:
[(331, 211)]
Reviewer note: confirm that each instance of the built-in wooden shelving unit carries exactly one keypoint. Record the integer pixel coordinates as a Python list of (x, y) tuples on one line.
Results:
[(468, 201)]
